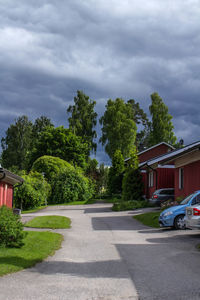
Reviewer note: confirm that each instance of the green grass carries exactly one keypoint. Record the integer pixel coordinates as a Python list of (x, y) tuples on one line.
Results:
[(54, 222), (149, 219), (33, 210), (38, 245)]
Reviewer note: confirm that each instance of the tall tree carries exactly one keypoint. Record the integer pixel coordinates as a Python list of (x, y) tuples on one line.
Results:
[(83, 118), (16, 144), (40, 125), (61, 142), (141, 119), (118, 127), (162, 127), (115, 174)]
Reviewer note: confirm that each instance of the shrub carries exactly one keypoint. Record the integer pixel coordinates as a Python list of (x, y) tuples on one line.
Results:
[(33, 193), (132, 185), (11, 228), (71, 185), (130, 205), (51, 166)]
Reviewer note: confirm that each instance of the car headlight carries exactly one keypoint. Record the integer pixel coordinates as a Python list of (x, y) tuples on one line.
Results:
[(168, 214)]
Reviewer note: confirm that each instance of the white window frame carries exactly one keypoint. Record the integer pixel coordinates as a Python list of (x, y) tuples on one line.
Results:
[(181, 178), (151, 179)]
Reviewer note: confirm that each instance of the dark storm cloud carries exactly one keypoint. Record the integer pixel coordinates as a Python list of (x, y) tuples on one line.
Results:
[(108, 49)]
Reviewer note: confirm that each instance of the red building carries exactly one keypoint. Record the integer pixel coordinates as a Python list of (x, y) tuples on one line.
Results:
[(8, 182), (155, 176), (187, 168)]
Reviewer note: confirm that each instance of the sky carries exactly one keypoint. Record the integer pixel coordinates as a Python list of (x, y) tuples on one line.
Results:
[(107, 49)]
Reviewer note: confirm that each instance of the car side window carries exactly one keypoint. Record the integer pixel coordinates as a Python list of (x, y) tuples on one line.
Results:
[(194, 201), (198, 198)]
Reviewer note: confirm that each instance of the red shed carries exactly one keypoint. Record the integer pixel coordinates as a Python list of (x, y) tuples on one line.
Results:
[(154, 151), (7, 182)]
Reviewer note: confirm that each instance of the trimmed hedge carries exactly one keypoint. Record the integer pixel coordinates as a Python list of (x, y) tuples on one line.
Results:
[(130, 205), (51, 166)]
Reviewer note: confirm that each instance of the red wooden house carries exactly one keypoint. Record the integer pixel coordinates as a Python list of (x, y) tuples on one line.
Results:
[(187, 168), (8, 181), (155, 177)]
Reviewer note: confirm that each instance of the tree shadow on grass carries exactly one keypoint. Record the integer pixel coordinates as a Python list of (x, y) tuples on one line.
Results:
[(18, 261)]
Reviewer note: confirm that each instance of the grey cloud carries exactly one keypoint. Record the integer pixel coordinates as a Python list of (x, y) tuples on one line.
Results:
[(108, 49)]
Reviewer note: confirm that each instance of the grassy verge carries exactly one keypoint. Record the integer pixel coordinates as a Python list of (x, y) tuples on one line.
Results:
[(149, 219), (33, 210), (38, 245), (54, 222), (91, 201)]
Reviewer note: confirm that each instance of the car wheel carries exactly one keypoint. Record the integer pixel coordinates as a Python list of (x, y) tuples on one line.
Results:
[(179, 222)]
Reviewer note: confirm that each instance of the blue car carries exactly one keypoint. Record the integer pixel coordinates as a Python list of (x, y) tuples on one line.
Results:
[(175, 215)]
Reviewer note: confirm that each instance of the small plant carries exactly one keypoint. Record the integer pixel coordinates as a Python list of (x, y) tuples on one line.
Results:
[(11, 229)]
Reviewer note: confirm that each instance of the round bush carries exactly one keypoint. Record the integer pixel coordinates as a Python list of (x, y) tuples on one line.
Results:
[(71, 185), (51, 166), (11, 228)]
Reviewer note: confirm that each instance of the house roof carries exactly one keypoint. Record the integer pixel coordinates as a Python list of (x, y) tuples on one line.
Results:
[(170, 156), (157, 145), (9, 177)]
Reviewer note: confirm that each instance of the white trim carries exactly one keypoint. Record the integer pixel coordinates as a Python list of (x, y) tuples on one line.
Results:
[(166, 166), (143, 171), (170, 156)]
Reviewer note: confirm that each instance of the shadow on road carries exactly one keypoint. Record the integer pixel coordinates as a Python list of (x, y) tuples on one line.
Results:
[(102, 269), (116, 223), (94, 210)]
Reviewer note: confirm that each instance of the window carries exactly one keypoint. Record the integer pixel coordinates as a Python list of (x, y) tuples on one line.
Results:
[(150, 179), (181, 177)]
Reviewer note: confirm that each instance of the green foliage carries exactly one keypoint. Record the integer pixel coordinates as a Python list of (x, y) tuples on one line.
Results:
[(141, 119), (132, 185), (62, 143), (149, 219), (54, 222), (162, 127), (33, 193), (129, 205), (11, 228), (37, 246), (115, 174), (17, 143), (119, 128), (50, 166), (133, 162), (71, 185), (83, 118)]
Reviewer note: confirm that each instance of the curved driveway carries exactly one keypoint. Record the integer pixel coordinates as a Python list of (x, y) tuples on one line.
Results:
[(109, 256)]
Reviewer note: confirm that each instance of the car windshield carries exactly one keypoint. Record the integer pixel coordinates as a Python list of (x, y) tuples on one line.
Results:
[(187, 199)]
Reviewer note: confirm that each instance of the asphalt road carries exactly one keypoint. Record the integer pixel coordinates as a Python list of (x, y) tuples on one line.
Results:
[(109, 256)]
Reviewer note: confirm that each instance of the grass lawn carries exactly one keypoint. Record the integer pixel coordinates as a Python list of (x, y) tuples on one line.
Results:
[(38, 245), (149, 219), (54, 222), (91, 201)]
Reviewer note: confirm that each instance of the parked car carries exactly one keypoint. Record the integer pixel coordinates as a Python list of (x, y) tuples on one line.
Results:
[(162, 195), (175, 215), (193, 216)]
